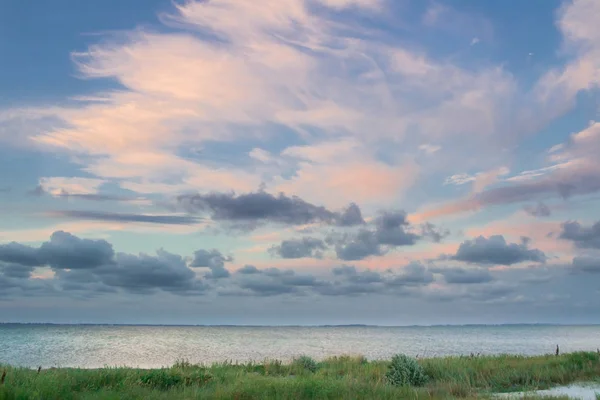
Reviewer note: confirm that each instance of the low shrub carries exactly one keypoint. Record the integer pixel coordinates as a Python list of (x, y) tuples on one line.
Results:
[(405, 371), (306, 363)]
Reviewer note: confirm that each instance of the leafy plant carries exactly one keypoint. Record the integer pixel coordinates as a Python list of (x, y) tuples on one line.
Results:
[(305, 362), (405, 371)]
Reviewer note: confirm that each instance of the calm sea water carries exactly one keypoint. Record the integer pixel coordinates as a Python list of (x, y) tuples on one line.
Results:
[(154, 346)]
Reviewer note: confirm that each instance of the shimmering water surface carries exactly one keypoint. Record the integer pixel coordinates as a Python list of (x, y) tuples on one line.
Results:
[(156, 346)]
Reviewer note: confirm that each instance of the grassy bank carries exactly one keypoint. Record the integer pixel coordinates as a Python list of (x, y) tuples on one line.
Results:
[(334, 378)]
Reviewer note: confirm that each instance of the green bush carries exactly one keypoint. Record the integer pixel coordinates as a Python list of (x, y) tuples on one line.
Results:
[(405, 371), (305, 362)]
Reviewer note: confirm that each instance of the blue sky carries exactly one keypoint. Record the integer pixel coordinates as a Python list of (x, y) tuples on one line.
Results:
[(321, 155)]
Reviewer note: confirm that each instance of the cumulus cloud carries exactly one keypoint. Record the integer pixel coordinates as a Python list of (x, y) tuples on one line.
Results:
[(300, 248), (587, 264), (67, 251), (414, 274), (87, 264), (391, 230), (19, 254), (166, 271), (214, 260), (585, 237), (495, 250)]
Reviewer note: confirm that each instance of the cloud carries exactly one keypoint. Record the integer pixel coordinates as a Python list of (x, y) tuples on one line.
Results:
[(584, 237), (586, 264), (495, 250), (66, 251), (265, 207), (16, 270), (122, 217), (357, 246), (214, 260), (465, 275), (391, 230), (358, 277), (435, 234), (57, 186), (92, 266), (573, 171), (166, 271), (300, 248), (248, 270), (351, 216), (414, 274), (578, 179), (250, 281), (19, 254), (288, 67), (540, 210), (340, 4)]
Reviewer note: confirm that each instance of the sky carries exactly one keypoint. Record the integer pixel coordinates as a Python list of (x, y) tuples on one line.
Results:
[(288, 162)]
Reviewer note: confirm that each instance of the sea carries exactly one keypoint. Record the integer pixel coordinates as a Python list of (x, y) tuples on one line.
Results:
[(96, 346)]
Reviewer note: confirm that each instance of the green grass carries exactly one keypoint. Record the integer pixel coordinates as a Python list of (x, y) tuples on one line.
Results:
[(334, 378)]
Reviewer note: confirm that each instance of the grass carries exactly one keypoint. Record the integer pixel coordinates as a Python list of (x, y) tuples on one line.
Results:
[(335, 378)]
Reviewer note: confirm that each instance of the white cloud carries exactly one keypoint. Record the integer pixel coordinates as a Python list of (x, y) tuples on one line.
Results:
[(59, 185)]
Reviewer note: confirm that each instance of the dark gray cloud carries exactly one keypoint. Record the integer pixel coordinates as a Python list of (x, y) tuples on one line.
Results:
[(262, 207), (122, 217), (465, 275), (16, 270), (351, 216), (66, 251), (92, 265), (539, 210), (585, 237), (214, 260), (495, 250), (299, 248), (587, 264), (358, 246), (414, 274), (256, 206), (391, 229), (247, 270), (271, 282), (19, 254), (5, 189), (143, 272)]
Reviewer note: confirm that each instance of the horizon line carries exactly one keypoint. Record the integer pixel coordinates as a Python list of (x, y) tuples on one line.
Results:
[(296, 325)]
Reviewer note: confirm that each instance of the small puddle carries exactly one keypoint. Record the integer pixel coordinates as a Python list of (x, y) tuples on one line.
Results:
[(581, 391)]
